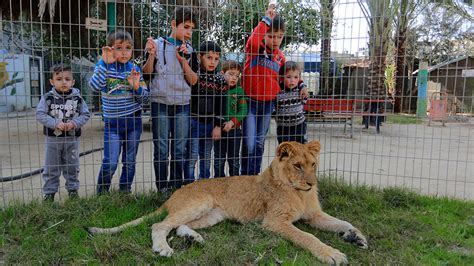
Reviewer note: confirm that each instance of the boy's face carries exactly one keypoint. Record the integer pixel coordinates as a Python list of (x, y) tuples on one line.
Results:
[(232, 77), (62, 81), (183, 31), (209, 60), (123, 51), (273, 39), (291, 79)]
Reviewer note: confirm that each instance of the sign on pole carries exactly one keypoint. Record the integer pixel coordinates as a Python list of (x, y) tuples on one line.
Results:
[(96, 24)]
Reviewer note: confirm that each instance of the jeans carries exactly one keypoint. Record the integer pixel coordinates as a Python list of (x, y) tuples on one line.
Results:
[(200, 146), (294, 133), (228, 147), (255, 130), (169, 123), (121, 134)]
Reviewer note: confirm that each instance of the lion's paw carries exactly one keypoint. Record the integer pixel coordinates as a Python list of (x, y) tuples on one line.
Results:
[(355, 236), (332, 256), (164, 251)]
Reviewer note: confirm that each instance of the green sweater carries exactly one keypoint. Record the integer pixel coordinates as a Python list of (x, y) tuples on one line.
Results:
[(236, 106)]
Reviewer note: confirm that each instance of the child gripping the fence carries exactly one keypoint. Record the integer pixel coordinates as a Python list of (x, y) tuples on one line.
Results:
[(228, 147), (171, 77), (290, 117), (123, 93), (62, 111)]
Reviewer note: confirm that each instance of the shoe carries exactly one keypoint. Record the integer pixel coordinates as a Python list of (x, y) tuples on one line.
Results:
[(73, 194), (48, 197)]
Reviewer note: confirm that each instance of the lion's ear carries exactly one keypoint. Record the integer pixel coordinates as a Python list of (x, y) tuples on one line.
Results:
[(314, 146), (286, 149)]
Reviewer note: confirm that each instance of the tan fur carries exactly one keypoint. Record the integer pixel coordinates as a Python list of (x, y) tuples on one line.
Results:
[(283, 194)]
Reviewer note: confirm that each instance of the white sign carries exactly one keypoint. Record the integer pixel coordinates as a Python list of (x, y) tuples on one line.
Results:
[(96, 24), (467, 73)]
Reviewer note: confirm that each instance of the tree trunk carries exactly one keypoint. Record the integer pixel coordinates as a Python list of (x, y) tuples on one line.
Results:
[(401, 70), (327, 10)]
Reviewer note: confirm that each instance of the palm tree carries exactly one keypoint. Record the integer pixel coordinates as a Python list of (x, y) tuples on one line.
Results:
[(408, 10), (327, 17), (378, 14)]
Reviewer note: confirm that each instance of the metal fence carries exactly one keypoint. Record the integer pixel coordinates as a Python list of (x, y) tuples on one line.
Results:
[(357, 73)]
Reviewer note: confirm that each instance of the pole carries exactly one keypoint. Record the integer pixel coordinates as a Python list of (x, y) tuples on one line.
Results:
[(422, 82), (111, 15)]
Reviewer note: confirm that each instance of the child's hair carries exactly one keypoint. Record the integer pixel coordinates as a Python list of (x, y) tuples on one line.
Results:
[(118, 35), (209, 46), (183, 14), (278, 23), (289, 66), (58, 68), (231, 64)]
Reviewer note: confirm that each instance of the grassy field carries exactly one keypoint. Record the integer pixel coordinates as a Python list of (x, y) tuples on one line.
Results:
[(401, 227)]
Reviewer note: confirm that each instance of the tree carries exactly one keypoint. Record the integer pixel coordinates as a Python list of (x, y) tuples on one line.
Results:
[(378, 14), (407, 12), (327, 17), (231, 22)]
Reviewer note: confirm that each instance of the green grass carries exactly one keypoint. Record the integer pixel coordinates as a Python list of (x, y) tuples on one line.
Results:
[(401, 227), (403, 119)]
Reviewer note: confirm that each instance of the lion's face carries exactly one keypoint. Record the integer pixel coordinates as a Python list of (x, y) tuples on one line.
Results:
[(297, 164)]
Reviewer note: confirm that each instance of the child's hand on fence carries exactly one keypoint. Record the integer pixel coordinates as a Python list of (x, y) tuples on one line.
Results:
[(271, 10), (134, 79), (304, 93), (228, 126), (181, 51), (216, 133), (108, 55), (150, 47)]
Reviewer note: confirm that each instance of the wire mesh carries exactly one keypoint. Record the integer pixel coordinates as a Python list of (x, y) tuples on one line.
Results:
[(379, 60)]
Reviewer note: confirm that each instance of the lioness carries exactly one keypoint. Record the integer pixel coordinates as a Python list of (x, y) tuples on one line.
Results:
[(283, 194)]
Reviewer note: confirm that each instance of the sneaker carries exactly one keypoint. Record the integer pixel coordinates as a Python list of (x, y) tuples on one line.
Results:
[(48, 197), (73, 194)]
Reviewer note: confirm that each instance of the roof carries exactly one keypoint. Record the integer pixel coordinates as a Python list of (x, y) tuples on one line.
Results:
[(440, 65)]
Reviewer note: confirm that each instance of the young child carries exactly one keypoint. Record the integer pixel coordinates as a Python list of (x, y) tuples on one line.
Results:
[(207, 103), (236, 110), (290, 119), (123, 93), (170, 95), (63, 112), (260, 83)]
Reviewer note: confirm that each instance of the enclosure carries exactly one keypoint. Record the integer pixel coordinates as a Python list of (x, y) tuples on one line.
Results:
[(386, 57)]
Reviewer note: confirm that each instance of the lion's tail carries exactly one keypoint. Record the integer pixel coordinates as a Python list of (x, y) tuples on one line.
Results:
[(113, 230)]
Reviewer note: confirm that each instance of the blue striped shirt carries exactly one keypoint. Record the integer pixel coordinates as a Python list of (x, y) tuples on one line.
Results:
[(118, 96)]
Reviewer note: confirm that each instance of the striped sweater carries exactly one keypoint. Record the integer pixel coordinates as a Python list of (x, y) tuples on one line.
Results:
[(290, 106), (118, 97)]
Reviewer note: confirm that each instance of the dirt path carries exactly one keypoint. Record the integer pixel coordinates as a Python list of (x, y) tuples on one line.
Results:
[(431, 160)]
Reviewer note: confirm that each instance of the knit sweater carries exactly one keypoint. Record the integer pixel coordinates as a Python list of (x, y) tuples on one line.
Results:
[(290, 106), (118, 97), (208, 97)]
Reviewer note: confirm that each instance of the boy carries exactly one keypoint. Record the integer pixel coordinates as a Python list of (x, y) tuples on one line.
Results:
[(123, 93), (170, 95), (290, 119), (63, 112), (260, 83), (206, 109), (236, 110)]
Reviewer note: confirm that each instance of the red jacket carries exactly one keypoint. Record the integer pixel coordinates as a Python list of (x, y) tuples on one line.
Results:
[(260, 78)]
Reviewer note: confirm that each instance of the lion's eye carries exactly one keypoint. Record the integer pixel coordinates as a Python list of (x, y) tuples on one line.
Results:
[(297, 166)]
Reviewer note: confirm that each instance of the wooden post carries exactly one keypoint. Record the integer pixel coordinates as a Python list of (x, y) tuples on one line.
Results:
[(422, 82)]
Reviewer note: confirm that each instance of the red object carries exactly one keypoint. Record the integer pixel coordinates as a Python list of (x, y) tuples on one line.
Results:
[(438, 107), (329, 105)]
